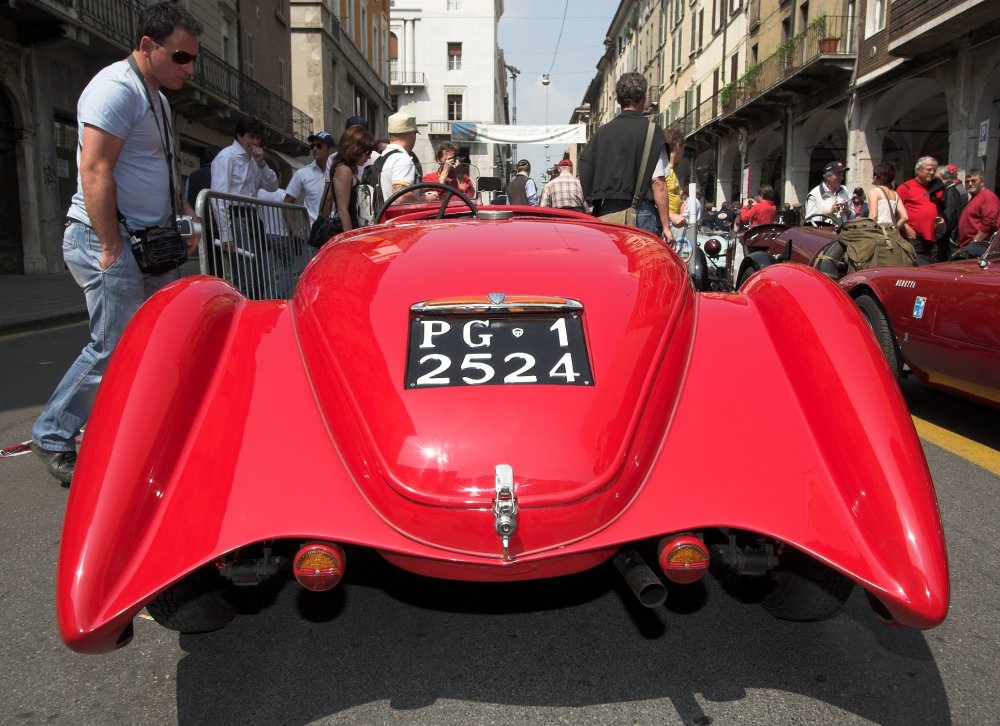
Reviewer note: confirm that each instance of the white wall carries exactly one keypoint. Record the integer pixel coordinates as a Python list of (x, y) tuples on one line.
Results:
[(423, 30)]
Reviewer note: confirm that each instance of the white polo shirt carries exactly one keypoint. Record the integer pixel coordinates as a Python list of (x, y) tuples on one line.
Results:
[(306, 187)]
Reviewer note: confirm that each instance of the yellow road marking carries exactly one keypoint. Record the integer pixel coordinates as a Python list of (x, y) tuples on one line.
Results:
[(982, 456)]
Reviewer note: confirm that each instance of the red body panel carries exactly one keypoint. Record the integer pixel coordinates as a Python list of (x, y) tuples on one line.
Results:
[(953, 343), (223, 423)]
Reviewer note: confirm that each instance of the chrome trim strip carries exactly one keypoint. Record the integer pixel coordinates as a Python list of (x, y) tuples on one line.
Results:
[(429, 307)]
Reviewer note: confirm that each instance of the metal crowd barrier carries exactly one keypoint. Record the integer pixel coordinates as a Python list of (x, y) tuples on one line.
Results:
[(257, 245)]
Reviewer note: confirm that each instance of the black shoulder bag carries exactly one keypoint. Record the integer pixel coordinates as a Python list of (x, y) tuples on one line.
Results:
[(157, 249), (326, 225)]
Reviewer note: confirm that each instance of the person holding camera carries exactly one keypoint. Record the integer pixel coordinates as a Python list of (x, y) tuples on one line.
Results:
[(830, 199), (761, 210), (449, 172), (126, 144)]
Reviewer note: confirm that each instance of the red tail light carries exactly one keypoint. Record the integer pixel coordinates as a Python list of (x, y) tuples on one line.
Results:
[(319, 565), (683, 558)]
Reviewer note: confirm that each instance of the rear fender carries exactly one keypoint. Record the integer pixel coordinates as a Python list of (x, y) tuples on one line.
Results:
[(845, 480), (166, 377)]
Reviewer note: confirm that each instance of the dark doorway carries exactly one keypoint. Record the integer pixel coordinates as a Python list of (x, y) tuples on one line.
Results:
[(11, 247)]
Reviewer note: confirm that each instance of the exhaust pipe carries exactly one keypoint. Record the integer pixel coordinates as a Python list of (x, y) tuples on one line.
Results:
[(648, 589)]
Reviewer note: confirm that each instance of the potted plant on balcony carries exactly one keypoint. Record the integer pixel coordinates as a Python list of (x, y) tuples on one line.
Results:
[(783, 53), (827, 43), (726, 96), (748, 81)]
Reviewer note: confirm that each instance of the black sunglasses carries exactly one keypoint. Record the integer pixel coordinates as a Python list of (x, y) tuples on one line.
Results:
[(180, 57), (317, 145)]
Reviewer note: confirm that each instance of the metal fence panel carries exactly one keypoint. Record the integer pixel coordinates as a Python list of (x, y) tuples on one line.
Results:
[(257, 245)]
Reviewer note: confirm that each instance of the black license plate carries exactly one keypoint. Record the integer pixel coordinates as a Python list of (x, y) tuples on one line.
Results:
[(497, 350)]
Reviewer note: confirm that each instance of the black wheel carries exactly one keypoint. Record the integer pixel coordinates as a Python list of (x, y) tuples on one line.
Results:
[(879, 322), (449, 192), (744, 276), (196, 604), (805, 590)]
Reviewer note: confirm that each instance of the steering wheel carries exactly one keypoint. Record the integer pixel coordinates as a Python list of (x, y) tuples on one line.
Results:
[(449, 192), (820, 220)]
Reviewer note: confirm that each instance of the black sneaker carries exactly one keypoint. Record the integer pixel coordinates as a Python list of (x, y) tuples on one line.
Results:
[(59, 464)]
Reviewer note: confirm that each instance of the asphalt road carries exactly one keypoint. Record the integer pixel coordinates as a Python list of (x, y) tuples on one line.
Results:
[(389, 648)]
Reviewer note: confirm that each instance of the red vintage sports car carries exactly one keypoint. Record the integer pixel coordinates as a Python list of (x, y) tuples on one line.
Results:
[(496, 394), (940, 321)]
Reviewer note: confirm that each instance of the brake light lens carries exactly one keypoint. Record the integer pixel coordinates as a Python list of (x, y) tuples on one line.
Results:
[(683, 558), (319, 566)]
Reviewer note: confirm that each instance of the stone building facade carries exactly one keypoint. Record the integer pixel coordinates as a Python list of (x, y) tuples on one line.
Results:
[(252, 60), (771, 90)]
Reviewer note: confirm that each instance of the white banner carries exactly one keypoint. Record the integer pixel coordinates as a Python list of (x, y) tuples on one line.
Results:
[(497, 134)]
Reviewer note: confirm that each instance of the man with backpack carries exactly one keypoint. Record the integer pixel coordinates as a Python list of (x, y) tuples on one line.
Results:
[(397, 170), (394, 169)]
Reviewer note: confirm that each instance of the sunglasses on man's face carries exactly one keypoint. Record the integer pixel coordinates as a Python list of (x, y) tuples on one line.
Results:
[(317, 145), (180, 57)]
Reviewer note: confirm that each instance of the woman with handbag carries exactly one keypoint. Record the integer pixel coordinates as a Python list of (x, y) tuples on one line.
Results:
[(883, 202), (355, 146)]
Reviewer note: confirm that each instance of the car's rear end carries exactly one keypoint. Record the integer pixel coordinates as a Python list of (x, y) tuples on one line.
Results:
[(505, 397)]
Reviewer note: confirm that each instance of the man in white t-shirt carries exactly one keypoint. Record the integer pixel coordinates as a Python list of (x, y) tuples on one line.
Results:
[(307, 184), (398, 169), (125, 132)]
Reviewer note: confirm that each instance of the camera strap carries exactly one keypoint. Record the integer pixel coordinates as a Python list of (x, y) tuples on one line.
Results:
[(163, 130)]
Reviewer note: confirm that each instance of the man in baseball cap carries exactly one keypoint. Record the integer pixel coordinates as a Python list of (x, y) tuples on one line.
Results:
[(830, 198), (324, 138), (355, 121), (307, 184), (521, 189), (564, 191)]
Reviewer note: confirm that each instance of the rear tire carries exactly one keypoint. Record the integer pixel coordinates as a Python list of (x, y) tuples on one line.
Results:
[(744, 276), (196, 604), (879, 323), (806, 590)]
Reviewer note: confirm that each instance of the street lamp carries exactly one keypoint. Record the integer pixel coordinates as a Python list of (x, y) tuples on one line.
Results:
[(514, 73), (545, 82)]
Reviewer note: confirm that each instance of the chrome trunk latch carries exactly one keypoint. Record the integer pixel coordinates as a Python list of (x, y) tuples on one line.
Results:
[(505, 507)]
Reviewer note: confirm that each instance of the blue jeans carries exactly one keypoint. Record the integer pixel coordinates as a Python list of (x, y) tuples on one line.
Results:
[(113, 296), (252, 265), (647, 218), (279, 249)]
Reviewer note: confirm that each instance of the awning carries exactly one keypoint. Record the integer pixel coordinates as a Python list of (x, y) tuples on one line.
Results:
[(291, 161)]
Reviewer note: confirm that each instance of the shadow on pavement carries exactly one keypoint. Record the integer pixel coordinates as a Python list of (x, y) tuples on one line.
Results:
[(973, 421), (560, 643)]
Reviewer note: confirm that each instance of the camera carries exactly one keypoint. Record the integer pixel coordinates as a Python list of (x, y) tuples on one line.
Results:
[(186, 226)]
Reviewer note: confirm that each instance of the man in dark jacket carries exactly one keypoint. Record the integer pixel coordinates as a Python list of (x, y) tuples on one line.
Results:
[(954, 203), (610, 163), (521, 189)]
